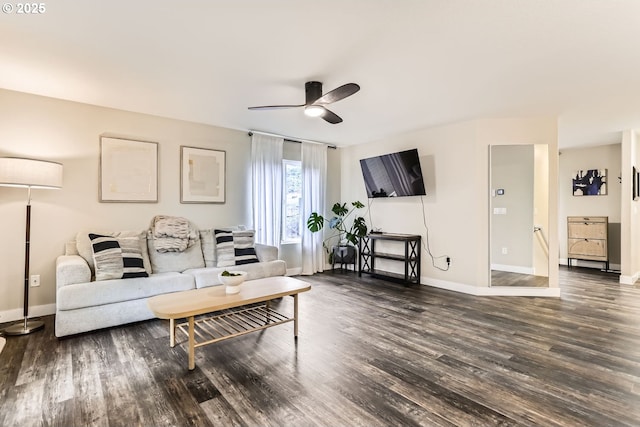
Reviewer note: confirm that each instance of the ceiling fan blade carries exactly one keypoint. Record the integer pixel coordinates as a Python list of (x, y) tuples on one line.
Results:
[(331, 117), (337, 94), (275, 107)]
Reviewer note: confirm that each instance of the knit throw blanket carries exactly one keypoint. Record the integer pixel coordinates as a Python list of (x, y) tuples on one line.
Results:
[(172, 233)]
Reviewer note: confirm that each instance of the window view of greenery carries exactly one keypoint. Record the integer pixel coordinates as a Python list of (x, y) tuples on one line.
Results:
[(292, 200)]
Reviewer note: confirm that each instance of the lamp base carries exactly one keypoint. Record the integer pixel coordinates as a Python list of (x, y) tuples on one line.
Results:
[(24, 328)]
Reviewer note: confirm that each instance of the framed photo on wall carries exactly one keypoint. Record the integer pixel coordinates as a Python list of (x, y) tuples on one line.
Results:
[(128, 171), (202, 175), (637, 185), (635, 178), (591, 182)]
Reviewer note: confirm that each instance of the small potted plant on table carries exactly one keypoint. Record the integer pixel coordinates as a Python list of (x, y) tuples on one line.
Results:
[(345, 239)]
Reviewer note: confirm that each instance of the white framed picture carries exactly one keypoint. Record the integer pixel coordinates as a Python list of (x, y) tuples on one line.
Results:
[(128, 171), (202, 175)]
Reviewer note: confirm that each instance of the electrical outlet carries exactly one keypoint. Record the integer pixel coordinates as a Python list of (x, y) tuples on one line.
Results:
[(505, 251), (35, 280)]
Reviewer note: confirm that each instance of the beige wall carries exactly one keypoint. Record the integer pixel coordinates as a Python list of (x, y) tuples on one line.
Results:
[(598, 157), (449, 180), (541, 210), (454, 161), (68, 132), (543, 131), (630, 211), (512, 169)]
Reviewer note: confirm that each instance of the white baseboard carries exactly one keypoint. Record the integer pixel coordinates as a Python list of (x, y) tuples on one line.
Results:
[(513, 269), (629, 280), (34, 311), (512, 291)]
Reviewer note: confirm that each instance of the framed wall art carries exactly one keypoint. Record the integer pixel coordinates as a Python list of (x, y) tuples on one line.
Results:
[(592, 182), (202, 175), (128, 171), (637, 185), (635, 178)]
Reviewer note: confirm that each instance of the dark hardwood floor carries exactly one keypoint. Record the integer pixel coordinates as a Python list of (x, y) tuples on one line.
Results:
[(370, 353)]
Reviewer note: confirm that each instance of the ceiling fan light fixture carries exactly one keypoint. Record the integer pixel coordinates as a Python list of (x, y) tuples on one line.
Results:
[(314, 110), (315, 102)]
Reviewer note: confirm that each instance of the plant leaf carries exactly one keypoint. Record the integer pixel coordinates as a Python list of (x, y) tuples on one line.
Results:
[(357, 204), (340, 209), (352, 238), (359, 227), (315, 222)]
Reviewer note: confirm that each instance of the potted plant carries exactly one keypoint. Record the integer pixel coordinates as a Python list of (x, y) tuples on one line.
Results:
[(347, 235)]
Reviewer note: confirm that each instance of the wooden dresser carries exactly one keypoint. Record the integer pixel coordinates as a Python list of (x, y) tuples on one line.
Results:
[(587, 239)]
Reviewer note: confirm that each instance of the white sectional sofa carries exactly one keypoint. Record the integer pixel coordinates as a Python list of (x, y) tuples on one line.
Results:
[(84, 304)]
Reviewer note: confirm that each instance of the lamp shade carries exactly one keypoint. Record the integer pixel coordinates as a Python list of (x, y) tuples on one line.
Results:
[(18, 172)]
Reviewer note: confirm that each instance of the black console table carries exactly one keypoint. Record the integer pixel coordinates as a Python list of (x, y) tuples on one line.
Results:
[(410, 257)]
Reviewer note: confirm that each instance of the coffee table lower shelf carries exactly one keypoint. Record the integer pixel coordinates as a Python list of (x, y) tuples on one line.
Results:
[(226, 324), (233, 323)]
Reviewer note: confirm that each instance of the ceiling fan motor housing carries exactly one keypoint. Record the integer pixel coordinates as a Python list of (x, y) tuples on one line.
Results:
[(313, 91)]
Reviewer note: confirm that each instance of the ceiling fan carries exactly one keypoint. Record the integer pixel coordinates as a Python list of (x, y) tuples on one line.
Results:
[(316, 101)]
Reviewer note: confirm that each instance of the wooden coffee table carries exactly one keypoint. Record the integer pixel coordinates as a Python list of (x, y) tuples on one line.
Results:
[(231, 315)]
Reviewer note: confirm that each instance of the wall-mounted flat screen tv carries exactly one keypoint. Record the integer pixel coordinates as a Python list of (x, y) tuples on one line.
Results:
[(393, 175)]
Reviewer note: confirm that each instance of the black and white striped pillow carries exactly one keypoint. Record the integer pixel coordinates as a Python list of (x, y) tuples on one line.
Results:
[(117, 258), (224, 248), (244, 247)]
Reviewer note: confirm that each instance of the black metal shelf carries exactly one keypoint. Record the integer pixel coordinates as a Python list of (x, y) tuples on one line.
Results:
[(386, 275), (396, 257), (410, 257)]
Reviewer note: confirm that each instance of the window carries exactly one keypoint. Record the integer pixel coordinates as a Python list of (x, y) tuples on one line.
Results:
[(292, 200)]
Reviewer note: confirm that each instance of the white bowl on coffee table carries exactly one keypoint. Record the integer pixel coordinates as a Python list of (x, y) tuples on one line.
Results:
[(233, 281)]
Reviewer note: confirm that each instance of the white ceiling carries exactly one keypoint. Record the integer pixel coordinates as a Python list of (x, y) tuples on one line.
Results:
[(420, 63)]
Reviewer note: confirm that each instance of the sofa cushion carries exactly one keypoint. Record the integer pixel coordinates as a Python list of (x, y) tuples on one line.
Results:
[(244, 247), (224, 248), (266, 252), (83, 245), (174, 261), (208, 243), (92, 294), (205, 277), (117, 258)]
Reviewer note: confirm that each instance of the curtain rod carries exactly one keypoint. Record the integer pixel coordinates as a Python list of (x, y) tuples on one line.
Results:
[(287, 138)]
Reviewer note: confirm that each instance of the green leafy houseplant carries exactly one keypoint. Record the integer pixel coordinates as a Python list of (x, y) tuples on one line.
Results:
[(350, 234)]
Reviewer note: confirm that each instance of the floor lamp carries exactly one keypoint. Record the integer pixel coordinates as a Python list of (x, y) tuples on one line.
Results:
[(17, 172)]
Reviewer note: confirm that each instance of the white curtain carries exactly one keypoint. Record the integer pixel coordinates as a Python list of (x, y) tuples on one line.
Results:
[(266, 168), (314, 174)]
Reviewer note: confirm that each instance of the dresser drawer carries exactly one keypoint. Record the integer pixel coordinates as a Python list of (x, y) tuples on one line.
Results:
[(587, 230), (603, 219), (589, 249)]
